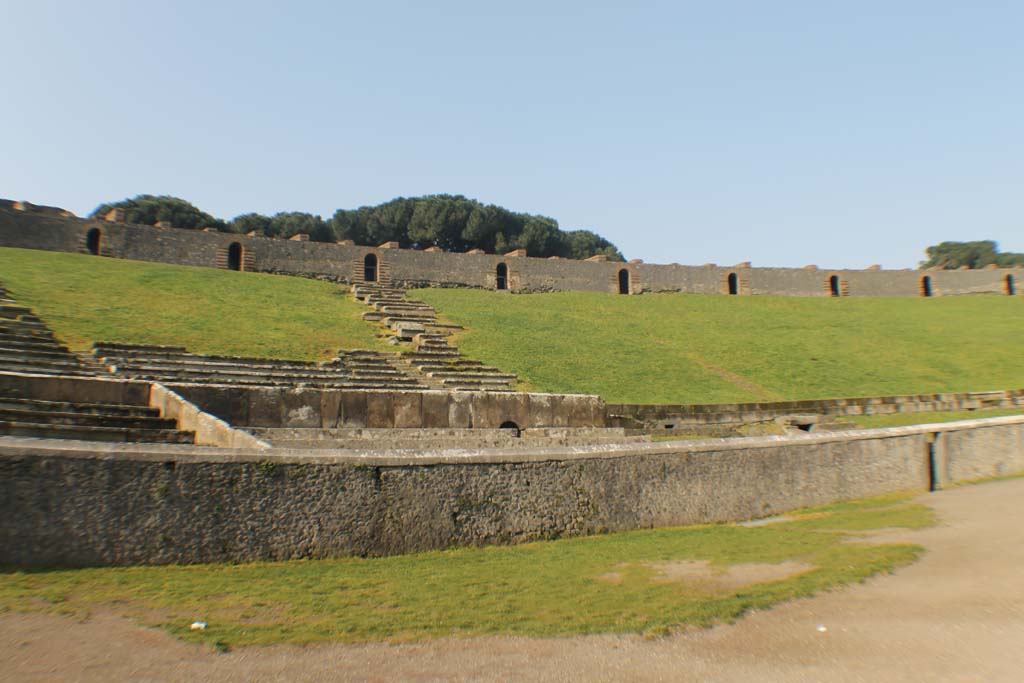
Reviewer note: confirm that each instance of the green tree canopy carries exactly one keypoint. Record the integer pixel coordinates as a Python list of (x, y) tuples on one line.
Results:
[(978, 254), (148, 209), (451, 222), (455, 223)]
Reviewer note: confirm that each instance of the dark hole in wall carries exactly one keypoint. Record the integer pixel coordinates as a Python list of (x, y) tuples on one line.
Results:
[(926, 286), (511, 425), (734, 284), (92, 241), (502, 276), (806, 427), (933, 483), (1011, 286), (623, 281), (833, 286), (235, 256), (370, 268), (170, 465)]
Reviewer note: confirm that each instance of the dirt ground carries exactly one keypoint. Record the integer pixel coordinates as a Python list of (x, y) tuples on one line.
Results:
[(957, 615)]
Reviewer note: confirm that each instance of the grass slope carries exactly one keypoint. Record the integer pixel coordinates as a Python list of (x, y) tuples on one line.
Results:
[(86, 299), (677, 348), (600, 584)]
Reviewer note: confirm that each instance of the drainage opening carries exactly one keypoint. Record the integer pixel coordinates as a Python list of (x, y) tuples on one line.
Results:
[(511, 425)]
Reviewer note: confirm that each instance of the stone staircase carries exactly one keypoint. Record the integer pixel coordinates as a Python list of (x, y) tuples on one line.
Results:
[(375, 439), (28, 345), (28, 417), (174, 364), (432, 357)]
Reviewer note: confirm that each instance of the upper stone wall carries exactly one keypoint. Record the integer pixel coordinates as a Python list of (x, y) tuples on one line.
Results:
[(33, 227)]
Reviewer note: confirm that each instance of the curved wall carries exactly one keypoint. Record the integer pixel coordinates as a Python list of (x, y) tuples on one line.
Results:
[(52, 229), (112, 504)]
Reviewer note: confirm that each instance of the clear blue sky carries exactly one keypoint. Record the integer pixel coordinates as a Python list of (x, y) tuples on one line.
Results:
[(787, 133)]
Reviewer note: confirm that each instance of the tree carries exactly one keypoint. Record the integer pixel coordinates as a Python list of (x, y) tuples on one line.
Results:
[(451, 222), (147, 209), (978, 254), (456, 223), (250, 222), (289, 223)]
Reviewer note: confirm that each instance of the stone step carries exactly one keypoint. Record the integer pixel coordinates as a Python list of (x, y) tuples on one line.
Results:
[(392, 318), (171, 356), (199, 366), (256, 381), (450, 352), (36, 354), (386, 306), (228, 382), (17, 311), (120, 346), (474, 385), (85, 433), (65, 363), (451, 362), (83, 408), (85, 419), (13, 341), (23, 327), (216, 366), (377, 375), (496, 376)]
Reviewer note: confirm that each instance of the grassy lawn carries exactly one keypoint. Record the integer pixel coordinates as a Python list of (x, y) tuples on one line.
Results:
[(618, 583), (86, 299), (904, 419), (679, 348)]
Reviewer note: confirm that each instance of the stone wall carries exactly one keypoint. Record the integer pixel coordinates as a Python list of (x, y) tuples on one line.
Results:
[(48, 228), (329, 409), (667, 417), (111, 504)]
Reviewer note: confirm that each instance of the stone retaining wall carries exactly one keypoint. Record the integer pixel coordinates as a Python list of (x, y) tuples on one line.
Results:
[(51, 229), (332, 408), (667, 418), (108, 504)]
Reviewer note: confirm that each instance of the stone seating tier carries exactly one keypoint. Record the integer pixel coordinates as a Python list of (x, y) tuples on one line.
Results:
[(359, 369), (26, 417), (28, 345)]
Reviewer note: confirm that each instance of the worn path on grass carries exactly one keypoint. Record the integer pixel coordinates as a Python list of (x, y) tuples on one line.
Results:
[(958, 614)]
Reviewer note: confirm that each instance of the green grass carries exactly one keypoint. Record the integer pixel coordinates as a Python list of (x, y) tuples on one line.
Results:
[(552, 588), (904, 419), (86, 299), (678, 348)]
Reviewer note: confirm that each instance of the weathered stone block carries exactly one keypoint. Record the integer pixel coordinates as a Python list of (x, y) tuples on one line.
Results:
[(330, 409), (380, 410), (435, 409), (408, 409), (460, 412), (353, 409)]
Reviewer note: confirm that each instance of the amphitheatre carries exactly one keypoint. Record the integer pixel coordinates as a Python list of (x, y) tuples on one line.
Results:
[(435, 401)]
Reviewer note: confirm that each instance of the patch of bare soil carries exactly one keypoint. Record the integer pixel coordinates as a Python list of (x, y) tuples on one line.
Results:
[(957, 615), (731, 577)]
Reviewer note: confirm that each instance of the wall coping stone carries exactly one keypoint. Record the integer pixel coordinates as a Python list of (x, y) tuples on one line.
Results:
[(20, 447)]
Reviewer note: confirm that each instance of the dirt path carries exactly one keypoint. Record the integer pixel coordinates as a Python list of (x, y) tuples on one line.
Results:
[(957, 615)]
